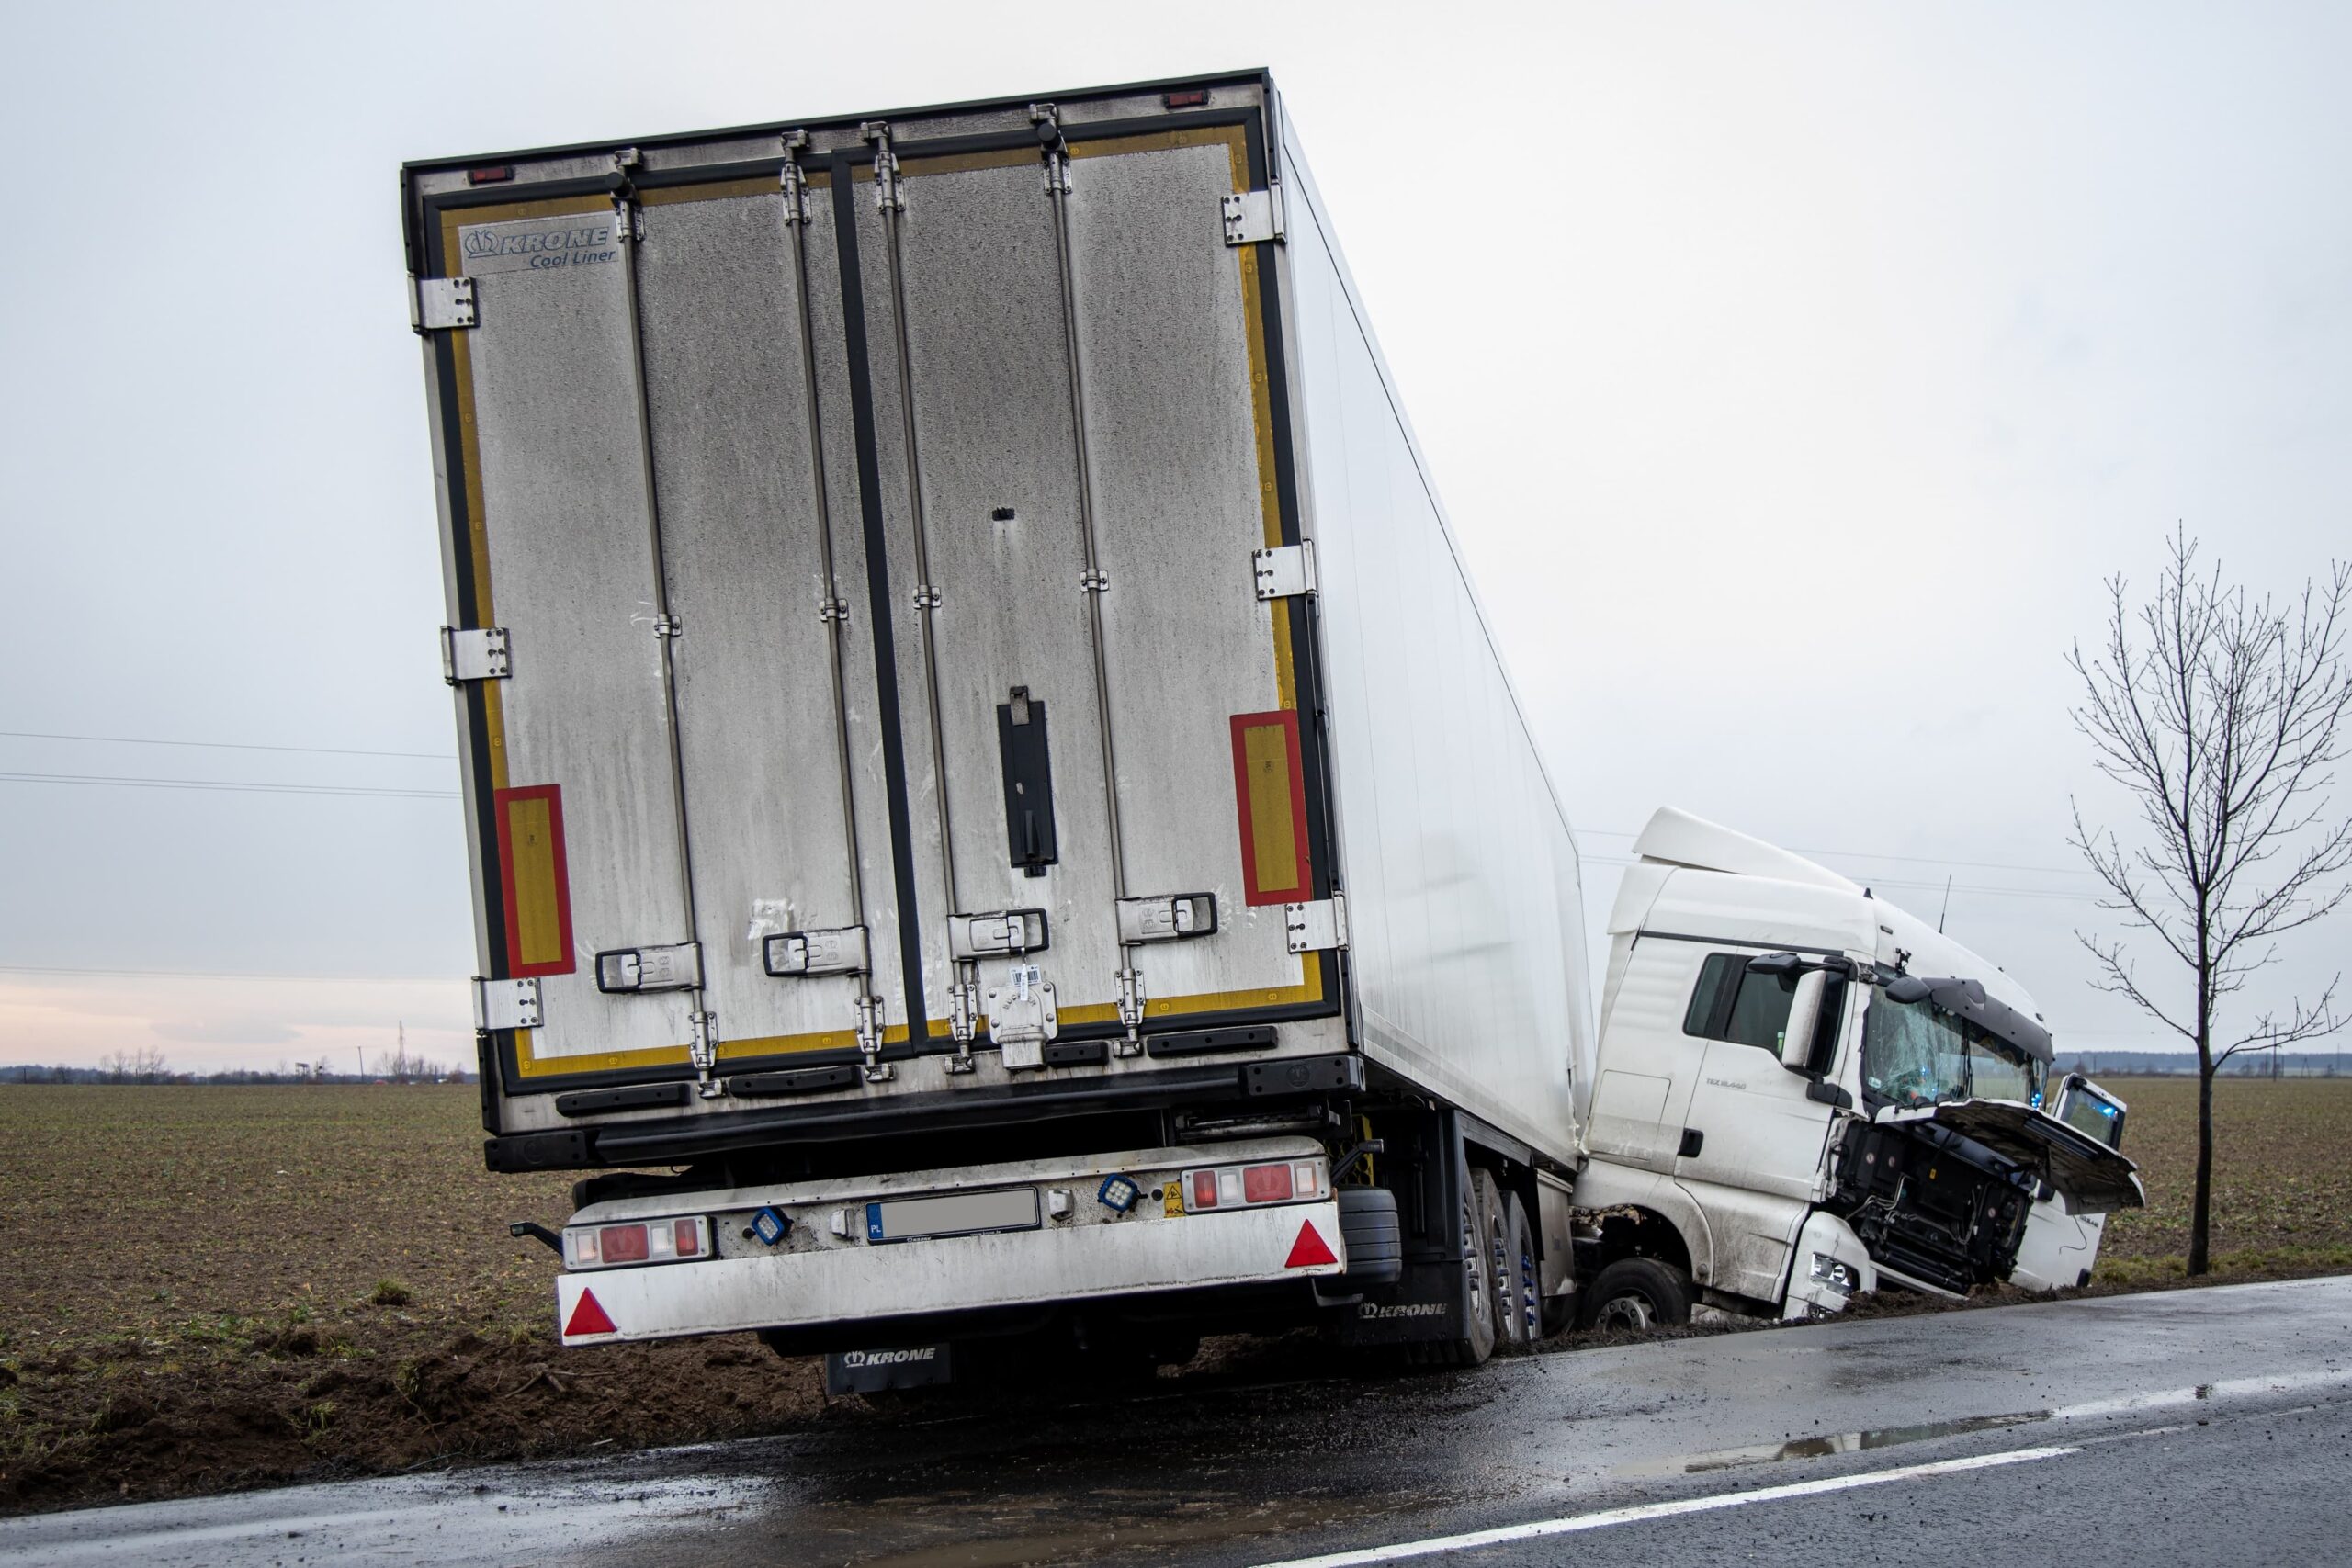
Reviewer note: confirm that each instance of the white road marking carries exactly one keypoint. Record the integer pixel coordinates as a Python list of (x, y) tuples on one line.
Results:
[(1607, 1518)]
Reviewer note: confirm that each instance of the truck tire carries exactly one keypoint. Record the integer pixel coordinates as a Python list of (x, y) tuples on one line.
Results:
[(1638, 1294), (1493, 1233), (1511, 1254), (1375, 1242), (1477, 1339), (1519, 1281)]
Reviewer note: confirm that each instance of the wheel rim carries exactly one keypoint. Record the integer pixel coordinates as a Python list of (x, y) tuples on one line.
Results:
[(1531, 1300), (1510, 1320), (1479, 1303), (1629, 1311)]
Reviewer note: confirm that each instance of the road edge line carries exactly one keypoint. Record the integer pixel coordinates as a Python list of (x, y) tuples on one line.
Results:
[(1636, 1513)]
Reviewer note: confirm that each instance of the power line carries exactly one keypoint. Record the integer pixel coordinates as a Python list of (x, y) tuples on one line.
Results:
[(1861, 854), (2043, 893), (221, 745), (237, 786)]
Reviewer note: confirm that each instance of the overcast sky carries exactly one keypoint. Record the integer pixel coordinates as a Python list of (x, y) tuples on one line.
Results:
[(1793, 374)]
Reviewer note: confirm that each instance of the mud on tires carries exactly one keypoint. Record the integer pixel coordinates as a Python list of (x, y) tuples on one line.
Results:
[(1636, 1295)]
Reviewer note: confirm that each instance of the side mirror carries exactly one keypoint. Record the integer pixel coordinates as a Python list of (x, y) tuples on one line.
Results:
[(1908, 989), (1775, 964), (1804, 1017)]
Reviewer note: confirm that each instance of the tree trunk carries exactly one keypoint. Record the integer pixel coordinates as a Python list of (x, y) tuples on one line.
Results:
[(2200, 1215)]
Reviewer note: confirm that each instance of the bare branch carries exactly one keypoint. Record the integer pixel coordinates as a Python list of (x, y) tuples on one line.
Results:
[(2313, 1022), (2123, 980)]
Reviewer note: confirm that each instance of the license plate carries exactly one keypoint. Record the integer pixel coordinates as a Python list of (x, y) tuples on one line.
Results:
[(952, 1213)]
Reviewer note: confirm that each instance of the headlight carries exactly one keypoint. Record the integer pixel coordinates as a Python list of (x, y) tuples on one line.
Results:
[(1839, 1275)]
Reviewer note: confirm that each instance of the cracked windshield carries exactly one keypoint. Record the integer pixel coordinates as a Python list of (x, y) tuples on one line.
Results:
[(1916, 1053)]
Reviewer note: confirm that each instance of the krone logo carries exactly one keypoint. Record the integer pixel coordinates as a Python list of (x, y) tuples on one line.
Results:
[(486, 242)]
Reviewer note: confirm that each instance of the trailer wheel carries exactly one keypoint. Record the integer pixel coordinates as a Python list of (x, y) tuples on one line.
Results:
[(1511, 1261), (1519, 1281), (1638, 1294)]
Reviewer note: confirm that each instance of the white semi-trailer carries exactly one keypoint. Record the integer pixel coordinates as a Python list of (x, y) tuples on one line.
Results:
[(994, 812), (1804, 1093), (983, 767)]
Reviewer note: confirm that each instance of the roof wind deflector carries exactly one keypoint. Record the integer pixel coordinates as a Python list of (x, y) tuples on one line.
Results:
[(1966, 999)]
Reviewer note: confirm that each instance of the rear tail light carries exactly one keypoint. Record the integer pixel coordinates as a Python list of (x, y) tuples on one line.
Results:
[(1266, 1183), (649, 1241), (1250, 1185)]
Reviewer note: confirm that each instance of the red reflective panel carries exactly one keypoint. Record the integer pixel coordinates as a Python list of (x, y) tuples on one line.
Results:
[(689, 1238), (1205, 1189), (1266, 1183), (621, 1244)]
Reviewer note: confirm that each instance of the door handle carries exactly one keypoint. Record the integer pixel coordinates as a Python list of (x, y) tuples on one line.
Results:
[(1693, 1139)]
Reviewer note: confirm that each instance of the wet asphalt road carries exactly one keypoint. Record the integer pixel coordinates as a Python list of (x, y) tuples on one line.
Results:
[(2206, 1426)]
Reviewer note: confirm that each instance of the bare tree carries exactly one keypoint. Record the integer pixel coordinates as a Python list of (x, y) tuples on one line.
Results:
[(2221, 717), (146, 1065)]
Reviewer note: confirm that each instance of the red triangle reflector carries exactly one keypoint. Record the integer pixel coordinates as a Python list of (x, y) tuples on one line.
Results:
[(1309, 1249), (589, 1317)]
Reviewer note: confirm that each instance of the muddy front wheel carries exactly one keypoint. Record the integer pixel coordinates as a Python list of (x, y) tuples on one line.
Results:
[(1638, 1294)]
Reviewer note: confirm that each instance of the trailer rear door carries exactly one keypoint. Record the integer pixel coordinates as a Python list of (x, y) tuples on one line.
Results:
[(873, 546)]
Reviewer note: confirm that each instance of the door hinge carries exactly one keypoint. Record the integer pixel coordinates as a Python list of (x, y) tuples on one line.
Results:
[(479, 653), (1131, 998), (1285, 571), (441, 304), (1022, 1016), (1251, 216), (1170, 919), (887, 195), (1318, 926), (869, 1039), (623, 970), (507, 1004), (995, 934), (793, 182), (842, 951)]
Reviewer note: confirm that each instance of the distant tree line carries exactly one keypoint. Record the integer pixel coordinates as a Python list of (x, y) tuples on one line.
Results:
[(2169, 1064), (149, 1068)]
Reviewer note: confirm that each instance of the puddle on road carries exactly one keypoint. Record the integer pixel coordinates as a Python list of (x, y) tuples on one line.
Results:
[(1891, 1437), (1822, 1445), (1002, 1530)]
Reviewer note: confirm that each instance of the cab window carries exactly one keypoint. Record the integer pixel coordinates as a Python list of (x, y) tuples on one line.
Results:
[(1914, 1054), (1729, 1003)]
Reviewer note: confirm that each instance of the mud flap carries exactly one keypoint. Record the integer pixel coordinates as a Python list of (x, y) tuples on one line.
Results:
[(1424, 1306), (906, 1366)]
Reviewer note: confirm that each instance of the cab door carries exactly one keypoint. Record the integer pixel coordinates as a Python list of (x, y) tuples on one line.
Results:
[(1754, 1139)]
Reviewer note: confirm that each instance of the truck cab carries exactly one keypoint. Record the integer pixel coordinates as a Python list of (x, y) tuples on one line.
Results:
[(1803, 1093)]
